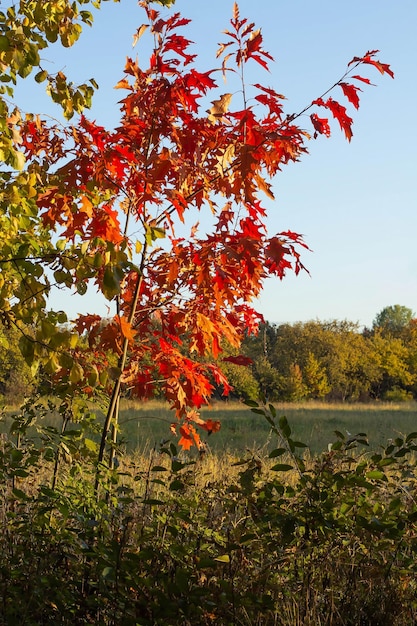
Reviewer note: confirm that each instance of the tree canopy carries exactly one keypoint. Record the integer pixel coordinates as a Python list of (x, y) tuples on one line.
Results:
[(393, 319), (333, 360), (85, 207)]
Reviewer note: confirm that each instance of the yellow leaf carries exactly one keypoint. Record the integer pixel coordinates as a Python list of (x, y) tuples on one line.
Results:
[(226, 158), (139, 34), (86, 206), (76, 373), (138, 247), (122, 84), (219, 108), (224, 558)]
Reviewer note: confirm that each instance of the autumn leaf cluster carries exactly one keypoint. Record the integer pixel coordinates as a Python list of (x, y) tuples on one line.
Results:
[(118, 211)]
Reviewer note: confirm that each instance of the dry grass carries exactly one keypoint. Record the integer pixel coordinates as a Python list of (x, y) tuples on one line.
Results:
[(232, 406)]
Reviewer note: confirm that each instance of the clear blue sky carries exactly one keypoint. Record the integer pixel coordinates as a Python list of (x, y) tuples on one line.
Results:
[(356, 203)]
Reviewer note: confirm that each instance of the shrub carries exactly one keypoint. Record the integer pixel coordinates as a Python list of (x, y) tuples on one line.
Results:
[(282, 539)]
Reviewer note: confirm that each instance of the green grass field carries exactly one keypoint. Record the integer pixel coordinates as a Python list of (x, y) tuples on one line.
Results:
[(144, 425), (314, 424)]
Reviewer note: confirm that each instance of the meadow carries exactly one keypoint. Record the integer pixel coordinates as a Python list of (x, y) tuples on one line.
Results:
[(315, 424), (144, 425)]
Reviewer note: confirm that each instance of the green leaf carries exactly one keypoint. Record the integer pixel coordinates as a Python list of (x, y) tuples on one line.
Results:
[(52, 365), (176, 485), (82, 288), (284, 426), (111, 282), (204, 562), (152, 233), (90, 445), (345, 507), (277, 452), (20, 473), (41, 76), (108, 573), (375, 475), (282, 467), (4, 43), (386, 461), (63, 277), (19, 494), (258, 411), (17, 160)]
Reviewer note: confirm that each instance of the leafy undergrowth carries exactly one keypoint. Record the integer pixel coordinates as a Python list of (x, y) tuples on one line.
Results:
[(283, 539)]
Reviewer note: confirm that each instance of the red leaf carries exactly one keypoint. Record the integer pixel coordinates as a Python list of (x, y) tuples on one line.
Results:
[(351, 94), (254, 50), (321, 124), (339, 112), (179, 44), (240, 359), (369, 60), (364, 80)]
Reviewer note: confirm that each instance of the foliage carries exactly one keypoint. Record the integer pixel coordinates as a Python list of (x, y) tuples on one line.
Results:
[(390, 361), (315, 377), (334, 361), (397, 394), (293, 388), (87, 539), (117, 210), (269, 379), (393, 320), (242, 380), (16, 380)]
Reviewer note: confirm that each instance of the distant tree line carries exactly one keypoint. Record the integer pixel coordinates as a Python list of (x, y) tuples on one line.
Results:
[(331, 360), (315, 360)]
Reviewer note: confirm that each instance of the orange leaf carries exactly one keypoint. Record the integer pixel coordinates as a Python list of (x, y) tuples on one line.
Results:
[(86, 206), (211, 426), (126, 329), (139, 33), (189, 437)]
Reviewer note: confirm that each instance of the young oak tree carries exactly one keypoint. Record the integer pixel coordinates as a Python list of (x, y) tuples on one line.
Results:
[(118, 209)]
